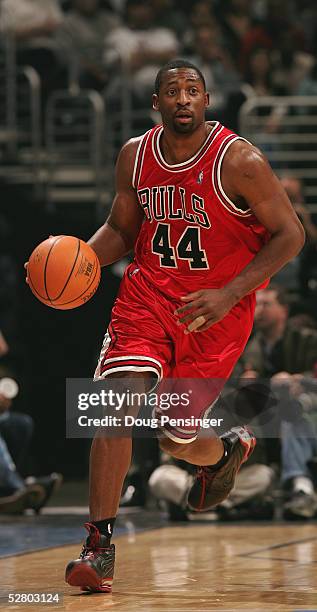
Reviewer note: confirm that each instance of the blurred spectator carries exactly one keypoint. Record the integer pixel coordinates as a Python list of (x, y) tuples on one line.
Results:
[(81, 39), (294, 189), (276, 345), (215, 63), (16, 429), (299, 448), (34, 23), (259, 74), (295, 275), (201, 14), (167, 15), (142, 46), (282, 352), (15, 495), (259, 80), (236, 21)]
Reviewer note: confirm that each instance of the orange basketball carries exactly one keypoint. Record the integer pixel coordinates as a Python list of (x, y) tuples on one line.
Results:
[(63, 272)]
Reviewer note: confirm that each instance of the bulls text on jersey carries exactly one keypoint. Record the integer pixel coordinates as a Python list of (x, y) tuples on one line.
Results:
[(168, 202)]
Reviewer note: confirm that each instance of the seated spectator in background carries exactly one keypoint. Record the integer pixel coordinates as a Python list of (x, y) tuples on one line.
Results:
[(34, 24), (167, 15), (293, 275), (143, 47), (200, 14), (82, 38), (282, 352), (235, 17), (16, 492), (259, 74), (215, 63), (279, 30), (260, 79)]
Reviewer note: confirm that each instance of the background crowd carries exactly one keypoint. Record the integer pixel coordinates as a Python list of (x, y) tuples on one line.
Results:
[(245, 48)]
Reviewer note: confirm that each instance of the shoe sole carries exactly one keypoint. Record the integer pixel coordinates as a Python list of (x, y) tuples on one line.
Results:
[(88, 580)]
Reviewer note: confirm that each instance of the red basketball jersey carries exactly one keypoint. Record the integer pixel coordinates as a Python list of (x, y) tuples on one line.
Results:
[(193, 235)]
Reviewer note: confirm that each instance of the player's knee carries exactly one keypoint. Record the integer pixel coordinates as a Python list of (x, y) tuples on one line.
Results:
[(136, 381), (172, 448)]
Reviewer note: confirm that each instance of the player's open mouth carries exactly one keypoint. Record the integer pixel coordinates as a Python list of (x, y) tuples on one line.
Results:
[(183, 117)]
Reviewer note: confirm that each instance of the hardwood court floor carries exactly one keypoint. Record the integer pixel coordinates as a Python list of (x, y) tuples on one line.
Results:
[(188, 568)]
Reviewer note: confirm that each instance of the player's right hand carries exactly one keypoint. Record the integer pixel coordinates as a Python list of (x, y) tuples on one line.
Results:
[(26, 265), (26, 269)]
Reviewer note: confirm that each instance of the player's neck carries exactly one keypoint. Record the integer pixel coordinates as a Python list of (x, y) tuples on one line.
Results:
[(178, 148)]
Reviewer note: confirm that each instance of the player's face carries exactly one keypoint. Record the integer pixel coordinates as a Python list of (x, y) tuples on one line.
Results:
[(182, 100)]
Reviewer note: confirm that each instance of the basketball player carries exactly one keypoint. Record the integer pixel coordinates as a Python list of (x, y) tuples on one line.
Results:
[(210, 223)]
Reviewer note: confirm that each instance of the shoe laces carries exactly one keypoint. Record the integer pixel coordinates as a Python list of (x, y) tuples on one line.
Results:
[(205, 473), (89, 548)]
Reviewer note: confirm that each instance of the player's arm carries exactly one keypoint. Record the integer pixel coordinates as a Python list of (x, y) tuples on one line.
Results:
[(248, 180), (118, 235), (247, 176)]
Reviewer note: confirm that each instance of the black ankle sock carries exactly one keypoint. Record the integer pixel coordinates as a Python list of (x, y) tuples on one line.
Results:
[(105, 527), (223, 459)]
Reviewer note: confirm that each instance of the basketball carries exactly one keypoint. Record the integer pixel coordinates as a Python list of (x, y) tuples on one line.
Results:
[(63, 272)]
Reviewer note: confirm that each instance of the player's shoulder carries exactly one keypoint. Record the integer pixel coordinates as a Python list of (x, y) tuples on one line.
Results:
[(242, 155), (127, 157), (131, 146), (127, 154)]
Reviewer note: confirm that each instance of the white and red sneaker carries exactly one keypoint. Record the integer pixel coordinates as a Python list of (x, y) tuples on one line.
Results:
[(94, 569), (212, 485)]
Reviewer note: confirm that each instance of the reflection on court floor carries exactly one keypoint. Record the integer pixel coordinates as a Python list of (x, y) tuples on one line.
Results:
[(190, 568)]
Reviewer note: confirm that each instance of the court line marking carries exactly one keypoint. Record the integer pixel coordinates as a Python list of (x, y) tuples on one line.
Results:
[(275, 546), (289, 560)]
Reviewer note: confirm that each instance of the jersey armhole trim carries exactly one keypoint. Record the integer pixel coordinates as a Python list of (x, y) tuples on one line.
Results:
[(216, 179), (139, 158)]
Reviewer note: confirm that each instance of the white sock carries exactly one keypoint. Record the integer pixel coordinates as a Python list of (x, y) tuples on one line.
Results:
[(304, 484)]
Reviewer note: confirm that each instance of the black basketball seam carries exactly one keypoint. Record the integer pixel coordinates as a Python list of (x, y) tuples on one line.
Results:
[(76, 298), (48, 254), (41, 296), (69, 276)]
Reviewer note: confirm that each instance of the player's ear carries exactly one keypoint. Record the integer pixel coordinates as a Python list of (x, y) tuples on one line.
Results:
[(207, 99), (155, 102)]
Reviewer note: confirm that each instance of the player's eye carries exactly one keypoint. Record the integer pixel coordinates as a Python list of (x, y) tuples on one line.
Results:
[(193, 90), (171, 92)]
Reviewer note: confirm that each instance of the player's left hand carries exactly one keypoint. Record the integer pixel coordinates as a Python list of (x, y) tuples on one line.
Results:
[(204, 308)]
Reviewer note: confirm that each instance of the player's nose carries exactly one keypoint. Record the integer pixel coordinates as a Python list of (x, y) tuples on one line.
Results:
[(183, 97)]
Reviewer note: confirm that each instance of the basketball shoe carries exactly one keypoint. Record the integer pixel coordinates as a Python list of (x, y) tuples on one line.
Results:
[(93, 570), (213, 484)]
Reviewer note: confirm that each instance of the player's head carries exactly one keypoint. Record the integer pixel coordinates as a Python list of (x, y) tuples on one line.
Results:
[(180, 96)]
